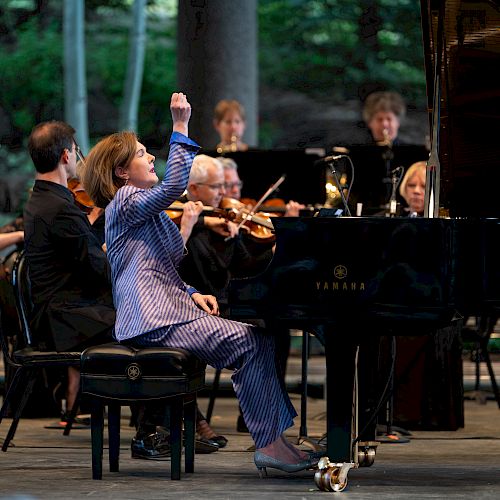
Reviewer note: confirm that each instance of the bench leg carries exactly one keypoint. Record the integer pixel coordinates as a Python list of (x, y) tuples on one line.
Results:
[(96, 431), (189, 433), (114, 411), (176, 410)]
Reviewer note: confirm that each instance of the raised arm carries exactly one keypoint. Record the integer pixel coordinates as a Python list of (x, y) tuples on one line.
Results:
[(137, 204)]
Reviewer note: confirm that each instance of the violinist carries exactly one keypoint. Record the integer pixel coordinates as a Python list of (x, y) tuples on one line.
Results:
[(69, 272), (233, 185), (212, 257)]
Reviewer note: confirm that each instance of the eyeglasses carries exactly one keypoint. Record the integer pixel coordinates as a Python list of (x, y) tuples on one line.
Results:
[(79, 153), (215, 187), (232, 185)]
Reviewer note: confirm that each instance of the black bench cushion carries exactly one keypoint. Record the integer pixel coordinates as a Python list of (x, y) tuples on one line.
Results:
[(117, 371)]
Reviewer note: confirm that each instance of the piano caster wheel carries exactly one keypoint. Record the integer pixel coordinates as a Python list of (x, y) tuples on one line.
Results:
[(331, 476), (366, 458), (366, 454)]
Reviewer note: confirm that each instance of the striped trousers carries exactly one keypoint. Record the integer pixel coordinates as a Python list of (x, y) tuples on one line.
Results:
[(223, 343)]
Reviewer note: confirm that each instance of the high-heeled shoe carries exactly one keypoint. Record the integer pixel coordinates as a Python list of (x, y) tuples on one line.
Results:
[(262, 461)]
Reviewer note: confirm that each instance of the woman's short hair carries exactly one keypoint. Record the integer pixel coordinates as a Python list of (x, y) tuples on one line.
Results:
[(415, 168), (383, 101), (98, 174), (225, 106), (199, 169)]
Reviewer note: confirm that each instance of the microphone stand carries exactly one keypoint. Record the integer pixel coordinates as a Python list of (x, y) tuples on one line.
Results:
[(396, 176), (331, 165)]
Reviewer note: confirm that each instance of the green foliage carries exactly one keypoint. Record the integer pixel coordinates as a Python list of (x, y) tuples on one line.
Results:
[(31, 76), (107, 53), (313, 46), (316, 47)]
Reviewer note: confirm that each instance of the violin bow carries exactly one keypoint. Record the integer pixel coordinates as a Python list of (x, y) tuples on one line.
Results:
[(264, 197)]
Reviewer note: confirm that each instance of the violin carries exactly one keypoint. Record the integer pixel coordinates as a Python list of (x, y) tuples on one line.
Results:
[(176, 210), (258, 226), (82, 199)]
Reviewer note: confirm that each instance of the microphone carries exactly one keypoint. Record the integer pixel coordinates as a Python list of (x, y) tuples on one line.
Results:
[(329, 159)]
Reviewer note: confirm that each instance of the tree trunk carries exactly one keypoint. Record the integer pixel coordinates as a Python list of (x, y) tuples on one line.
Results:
[(135, 68), (217, 59), (75, 83), (369, 24)]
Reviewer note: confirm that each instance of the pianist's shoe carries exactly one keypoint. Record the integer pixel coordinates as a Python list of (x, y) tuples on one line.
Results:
[(262, 461)]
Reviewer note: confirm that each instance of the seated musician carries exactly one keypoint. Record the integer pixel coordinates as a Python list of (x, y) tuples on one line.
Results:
[(212, 258), (233, 185), (69, 272), (412, 189), (382, 113), (229, 121), (145, 248)]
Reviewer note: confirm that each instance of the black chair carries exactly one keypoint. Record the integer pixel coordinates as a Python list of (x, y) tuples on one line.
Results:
[(118, 374), (27, 361), (480, 336)]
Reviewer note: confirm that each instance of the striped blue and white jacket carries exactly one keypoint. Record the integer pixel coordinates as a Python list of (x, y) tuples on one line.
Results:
[(145, 248)]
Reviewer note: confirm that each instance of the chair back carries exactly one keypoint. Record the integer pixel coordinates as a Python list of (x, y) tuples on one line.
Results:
[(22, 294)]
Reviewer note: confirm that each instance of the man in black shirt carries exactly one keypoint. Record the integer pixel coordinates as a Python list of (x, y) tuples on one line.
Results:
[(68, 269)]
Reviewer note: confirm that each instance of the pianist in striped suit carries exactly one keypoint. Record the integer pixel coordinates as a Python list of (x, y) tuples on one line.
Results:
[(156, 308)]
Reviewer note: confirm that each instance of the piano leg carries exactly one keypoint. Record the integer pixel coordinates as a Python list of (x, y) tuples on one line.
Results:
[(340, 354)]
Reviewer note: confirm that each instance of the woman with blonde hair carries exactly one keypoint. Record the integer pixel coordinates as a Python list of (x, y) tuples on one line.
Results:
[(412, 188)]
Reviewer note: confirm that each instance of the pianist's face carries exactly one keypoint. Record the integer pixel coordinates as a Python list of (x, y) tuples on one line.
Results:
[(384, 126), (415, 191)]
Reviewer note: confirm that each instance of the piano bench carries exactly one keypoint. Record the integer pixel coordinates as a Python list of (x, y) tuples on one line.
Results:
[(116, 375)]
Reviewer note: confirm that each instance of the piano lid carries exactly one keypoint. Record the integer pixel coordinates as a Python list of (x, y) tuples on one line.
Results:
[(469, 145)]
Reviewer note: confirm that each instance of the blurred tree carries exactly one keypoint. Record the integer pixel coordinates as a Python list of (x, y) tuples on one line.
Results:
[(75, 81), (135, 67), (309, 46), (336, 47)]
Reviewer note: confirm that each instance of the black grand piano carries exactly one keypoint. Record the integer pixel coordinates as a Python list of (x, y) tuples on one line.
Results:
[(353, 279)]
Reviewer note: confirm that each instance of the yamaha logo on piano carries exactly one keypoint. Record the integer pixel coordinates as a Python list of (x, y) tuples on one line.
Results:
[(339, 283), (340, 272)]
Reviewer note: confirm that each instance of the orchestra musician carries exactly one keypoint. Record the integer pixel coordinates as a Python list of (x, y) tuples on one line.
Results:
[(382, 113), (68, 270), (412, 189), (229, 121), (233, 185), (145, 247)]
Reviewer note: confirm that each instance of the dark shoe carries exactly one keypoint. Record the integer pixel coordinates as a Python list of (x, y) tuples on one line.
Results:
[(156, 446), (220, 441), (240, 424), (204, 446)]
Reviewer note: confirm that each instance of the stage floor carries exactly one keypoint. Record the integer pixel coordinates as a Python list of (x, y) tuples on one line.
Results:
[(44, 464)]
